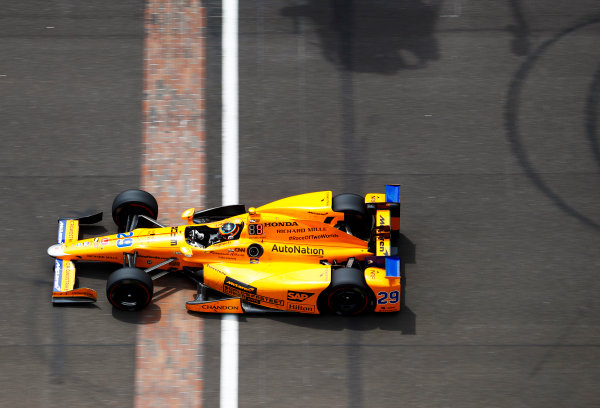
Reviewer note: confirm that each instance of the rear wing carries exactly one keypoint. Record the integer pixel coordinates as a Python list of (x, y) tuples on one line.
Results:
[(64, 290), (387, 226)]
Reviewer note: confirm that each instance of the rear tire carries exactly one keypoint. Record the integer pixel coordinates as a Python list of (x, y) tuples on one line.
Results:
[(129, 289), (356, 217), (133, 202), (348, 294)]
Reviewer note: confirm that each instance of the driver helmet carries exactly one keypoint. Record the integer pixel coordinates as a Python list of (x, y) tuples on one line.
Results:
[(229, 229)]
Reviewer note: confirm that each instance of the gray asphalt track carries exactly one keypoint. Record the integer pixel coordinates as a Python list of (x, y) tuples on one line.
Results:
[(486, 112)]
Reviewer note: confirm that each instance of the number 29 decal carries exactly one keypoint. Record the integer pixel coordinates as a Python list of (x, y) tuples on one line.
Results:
[(124, 240), (383, 298)]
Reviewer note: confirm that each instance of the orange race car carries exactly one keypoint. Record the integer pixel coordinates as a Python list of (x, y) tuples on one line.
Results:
[(310, 253)]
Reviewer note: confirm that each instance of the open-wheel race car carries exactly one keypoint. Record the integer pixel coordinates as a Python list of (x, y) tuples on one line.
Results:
[(310, 253)]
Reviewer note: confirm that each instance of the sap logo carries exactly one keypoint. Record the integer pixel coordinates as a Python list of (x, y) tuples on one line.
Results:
[(298, 296)]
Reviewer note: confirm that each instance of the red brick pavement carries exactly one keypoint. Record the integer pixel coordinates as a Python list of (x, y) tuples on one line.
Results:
[(174, 164), (169, 342)]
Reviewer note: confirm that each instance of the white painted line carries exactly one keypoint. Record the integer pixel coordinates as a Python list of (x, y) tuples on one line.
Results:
[(230, 188), (229, 89), (229, 361)]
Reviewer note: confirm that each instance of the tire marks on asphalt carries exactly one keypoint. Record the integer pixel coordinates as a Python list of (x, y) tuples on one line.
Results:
[(511, 118)]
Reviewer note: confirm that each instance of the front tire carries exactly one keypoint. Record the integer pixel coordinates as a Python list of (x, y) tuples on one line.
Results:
[(129, 289), (133, 202)]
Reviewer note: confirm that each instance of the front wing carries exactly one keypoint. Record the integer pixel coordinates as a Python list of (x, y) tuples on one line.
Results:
[(64, 290)]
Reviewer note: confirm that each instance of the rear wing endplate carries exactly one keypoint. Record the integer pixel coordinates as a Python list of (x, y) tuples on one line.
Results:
[(387, 226)]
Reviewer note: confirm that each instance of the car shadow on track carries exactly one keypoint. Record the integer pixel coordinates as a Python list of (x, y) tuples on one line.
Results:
[(382, 37), (403, 321)]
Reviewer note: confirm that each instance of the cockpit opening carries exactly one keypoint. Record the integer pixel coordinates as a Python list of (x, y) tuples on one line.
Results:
[(202, 236)]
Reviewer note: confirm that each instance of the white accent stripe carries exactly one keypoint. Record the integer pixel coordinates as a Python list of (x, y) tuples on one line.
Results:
[(230, 186)]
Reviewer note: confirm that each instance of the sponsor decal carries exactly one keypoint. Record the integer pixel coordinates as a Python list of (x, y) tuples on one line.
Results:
[(61, 231), (173, 236), (313, 237), (239, 285), (291, 231), (254, 260), (316, 229), (281, 224), (382, 249), (217, 308), (294, 296), (215, 269), (58, 275), (298, 307), (71, 227), (247, 292), (104, 241), (297, 249)]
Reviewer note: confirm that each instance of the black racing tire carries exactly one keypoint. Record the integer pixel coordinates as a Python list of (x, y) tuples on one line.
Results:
[(129, 289), (133, 202), (349, 204), (355, 214), (348, 293)]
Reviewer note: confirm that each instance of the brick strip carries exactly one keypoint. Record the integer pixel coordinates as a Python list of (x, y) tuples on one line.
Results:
[(174, 162), (169, 342)]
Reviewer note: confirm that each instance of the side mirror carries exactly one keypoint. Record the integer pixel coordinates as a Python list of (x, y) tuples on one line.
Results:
[(188, 215)]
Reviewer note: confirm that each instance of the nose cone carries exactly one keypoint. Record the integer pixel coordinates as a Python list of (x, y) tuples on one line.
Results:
[(56, 250)]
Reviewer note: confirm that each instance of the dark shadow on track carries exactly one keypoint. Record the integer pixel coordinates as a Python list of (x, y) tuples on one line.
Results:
[(374, 36), (151, 314), (371, 36), (512, 121), (403, 321)]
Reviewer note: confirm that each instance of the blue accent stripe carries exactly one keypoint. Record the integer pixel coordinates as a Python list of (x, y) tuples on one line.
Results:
[(392, 267), (62, 231), (58, 272), (392, 193)]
